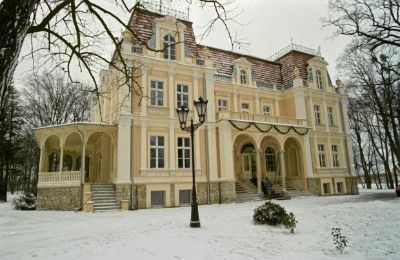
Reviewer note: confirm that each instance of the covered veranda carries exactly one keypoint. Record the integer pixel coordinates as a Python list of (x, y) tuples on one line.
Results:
[(64, 149)]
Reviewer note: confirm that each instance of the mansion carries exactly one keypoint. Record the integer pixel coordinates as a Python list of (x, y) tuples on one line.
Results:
[(281, 118)]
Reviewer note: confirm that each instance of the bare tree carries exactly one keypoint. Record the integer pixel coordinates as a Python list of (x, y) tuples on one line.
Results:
[(70, 33), (51, 99), (374, 23)]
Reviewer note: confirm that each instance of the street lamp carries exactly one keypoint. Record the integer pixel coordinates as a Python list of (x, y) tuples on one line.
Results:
[(183, 112)]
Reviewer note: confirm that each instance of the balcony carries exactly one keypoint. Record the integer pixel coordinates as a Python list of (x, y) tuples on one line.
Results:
[(228, 115)]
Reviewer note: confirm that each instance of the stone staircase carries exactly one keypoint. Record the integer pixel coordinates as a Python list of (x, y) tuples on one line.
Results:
[(245, 193), (292, 191), (104, 197)]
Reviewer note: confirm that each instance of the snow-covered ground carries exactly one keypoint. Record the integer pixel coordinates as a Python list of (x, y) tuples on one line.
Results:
[(370, 221)]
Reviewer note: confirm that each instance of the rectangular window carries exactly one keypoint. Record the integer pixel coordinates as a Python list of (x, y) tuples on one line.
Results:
[(317, 115), (330, 116), (157, 93), (335, 156), (184, 197), (222, 104), (327, 188), (321, 155), (183, 152), (339, 187), (182, 96), (158, 199), (266, 110), (157, 152), (245, 107)]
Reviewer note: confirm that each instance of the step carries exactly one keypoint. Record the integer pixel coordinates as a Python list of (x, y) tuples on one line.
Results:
[(104, 208)]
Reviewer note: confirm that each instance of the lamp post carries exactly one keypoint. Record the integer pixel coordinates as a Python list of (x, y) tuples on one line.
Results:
[(183, 112)]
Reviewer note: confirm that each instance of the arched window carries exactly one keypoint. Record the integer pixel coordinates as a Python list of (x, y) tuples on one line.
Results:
[(67, 163), (318, 76), (169, 47), (243, 77), (54, 162), (270, 159)]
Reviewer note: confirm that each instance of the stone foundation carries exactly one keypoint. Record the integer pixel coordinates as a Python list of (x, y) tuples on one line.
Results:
[(63, 198), (123, 192), (315, 187), (352, 181), (223, 191)]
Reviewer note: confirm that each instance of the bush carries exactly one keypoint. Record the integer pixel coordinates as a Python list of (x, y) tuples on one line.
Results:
[(26, 201), (274, 214)]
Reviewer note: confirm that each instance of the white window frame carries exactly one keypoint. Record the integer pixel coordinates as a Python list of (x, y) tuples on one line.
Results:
[(321, 155), (185, 160), (267, 113), (243, 77), (222, 104), (156, 93), (317, 114), (335, 156), (245, 110), (270, 159), (330, 116), (158, 148), (318, 77), (169, 47), (181, 94)]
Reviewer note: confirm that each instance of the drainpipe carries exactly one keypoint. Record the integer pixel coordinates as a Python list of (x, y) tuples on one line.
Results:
[(206, 150), (131, 172)]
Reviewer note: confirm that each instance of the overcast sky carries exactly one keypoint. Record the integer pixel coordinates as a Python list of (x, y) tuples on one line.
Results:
[(269, 25), (266, 25)]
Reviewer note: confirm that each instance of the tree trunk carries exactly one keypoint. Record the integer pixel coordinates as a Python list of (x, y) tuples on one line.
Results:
[(15, 21)]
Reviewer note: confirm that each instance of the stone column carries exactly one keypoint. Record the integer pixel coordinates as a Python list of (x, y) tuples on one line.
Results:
[(61, 156), (276, 105), (171, 94), (42, 147), (144, 90), (258, 161), (211, 129), (196, 118), (283, 170), (307, 157), (324, 114), (124, 151), (235, 99), (83, 160), (226, 150), (143, 147), (257, 110), (171, 145)]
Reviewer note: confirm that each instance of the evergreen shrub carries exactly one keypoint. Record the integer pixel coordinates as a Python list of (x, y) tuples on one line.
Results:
[(26, 201), (273, 214)]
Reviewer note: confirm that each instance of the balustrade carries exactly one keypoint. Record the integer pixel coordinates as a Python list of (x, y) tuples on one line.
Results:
[(60, 177), (260, 118)]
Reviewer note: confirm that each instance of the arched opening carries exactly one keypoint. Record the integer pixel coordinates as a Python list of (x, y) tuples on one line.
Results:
[(99, 158), (52, 151), (294, 162), (270, 163), (245, 158)]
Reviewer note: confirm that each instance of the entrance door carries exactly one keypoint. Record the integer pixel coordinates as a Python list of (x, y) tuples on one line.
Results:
[(247, 169)]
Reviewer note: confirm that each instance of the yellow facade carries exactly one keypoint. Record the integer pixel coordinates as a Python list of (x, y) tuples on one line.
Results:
[(245, 135)]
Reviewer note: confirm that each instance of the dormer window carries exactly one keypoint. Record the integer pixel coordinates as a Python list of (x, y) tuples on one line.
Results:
[(318, 76), (169, 47), (243, 77)]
